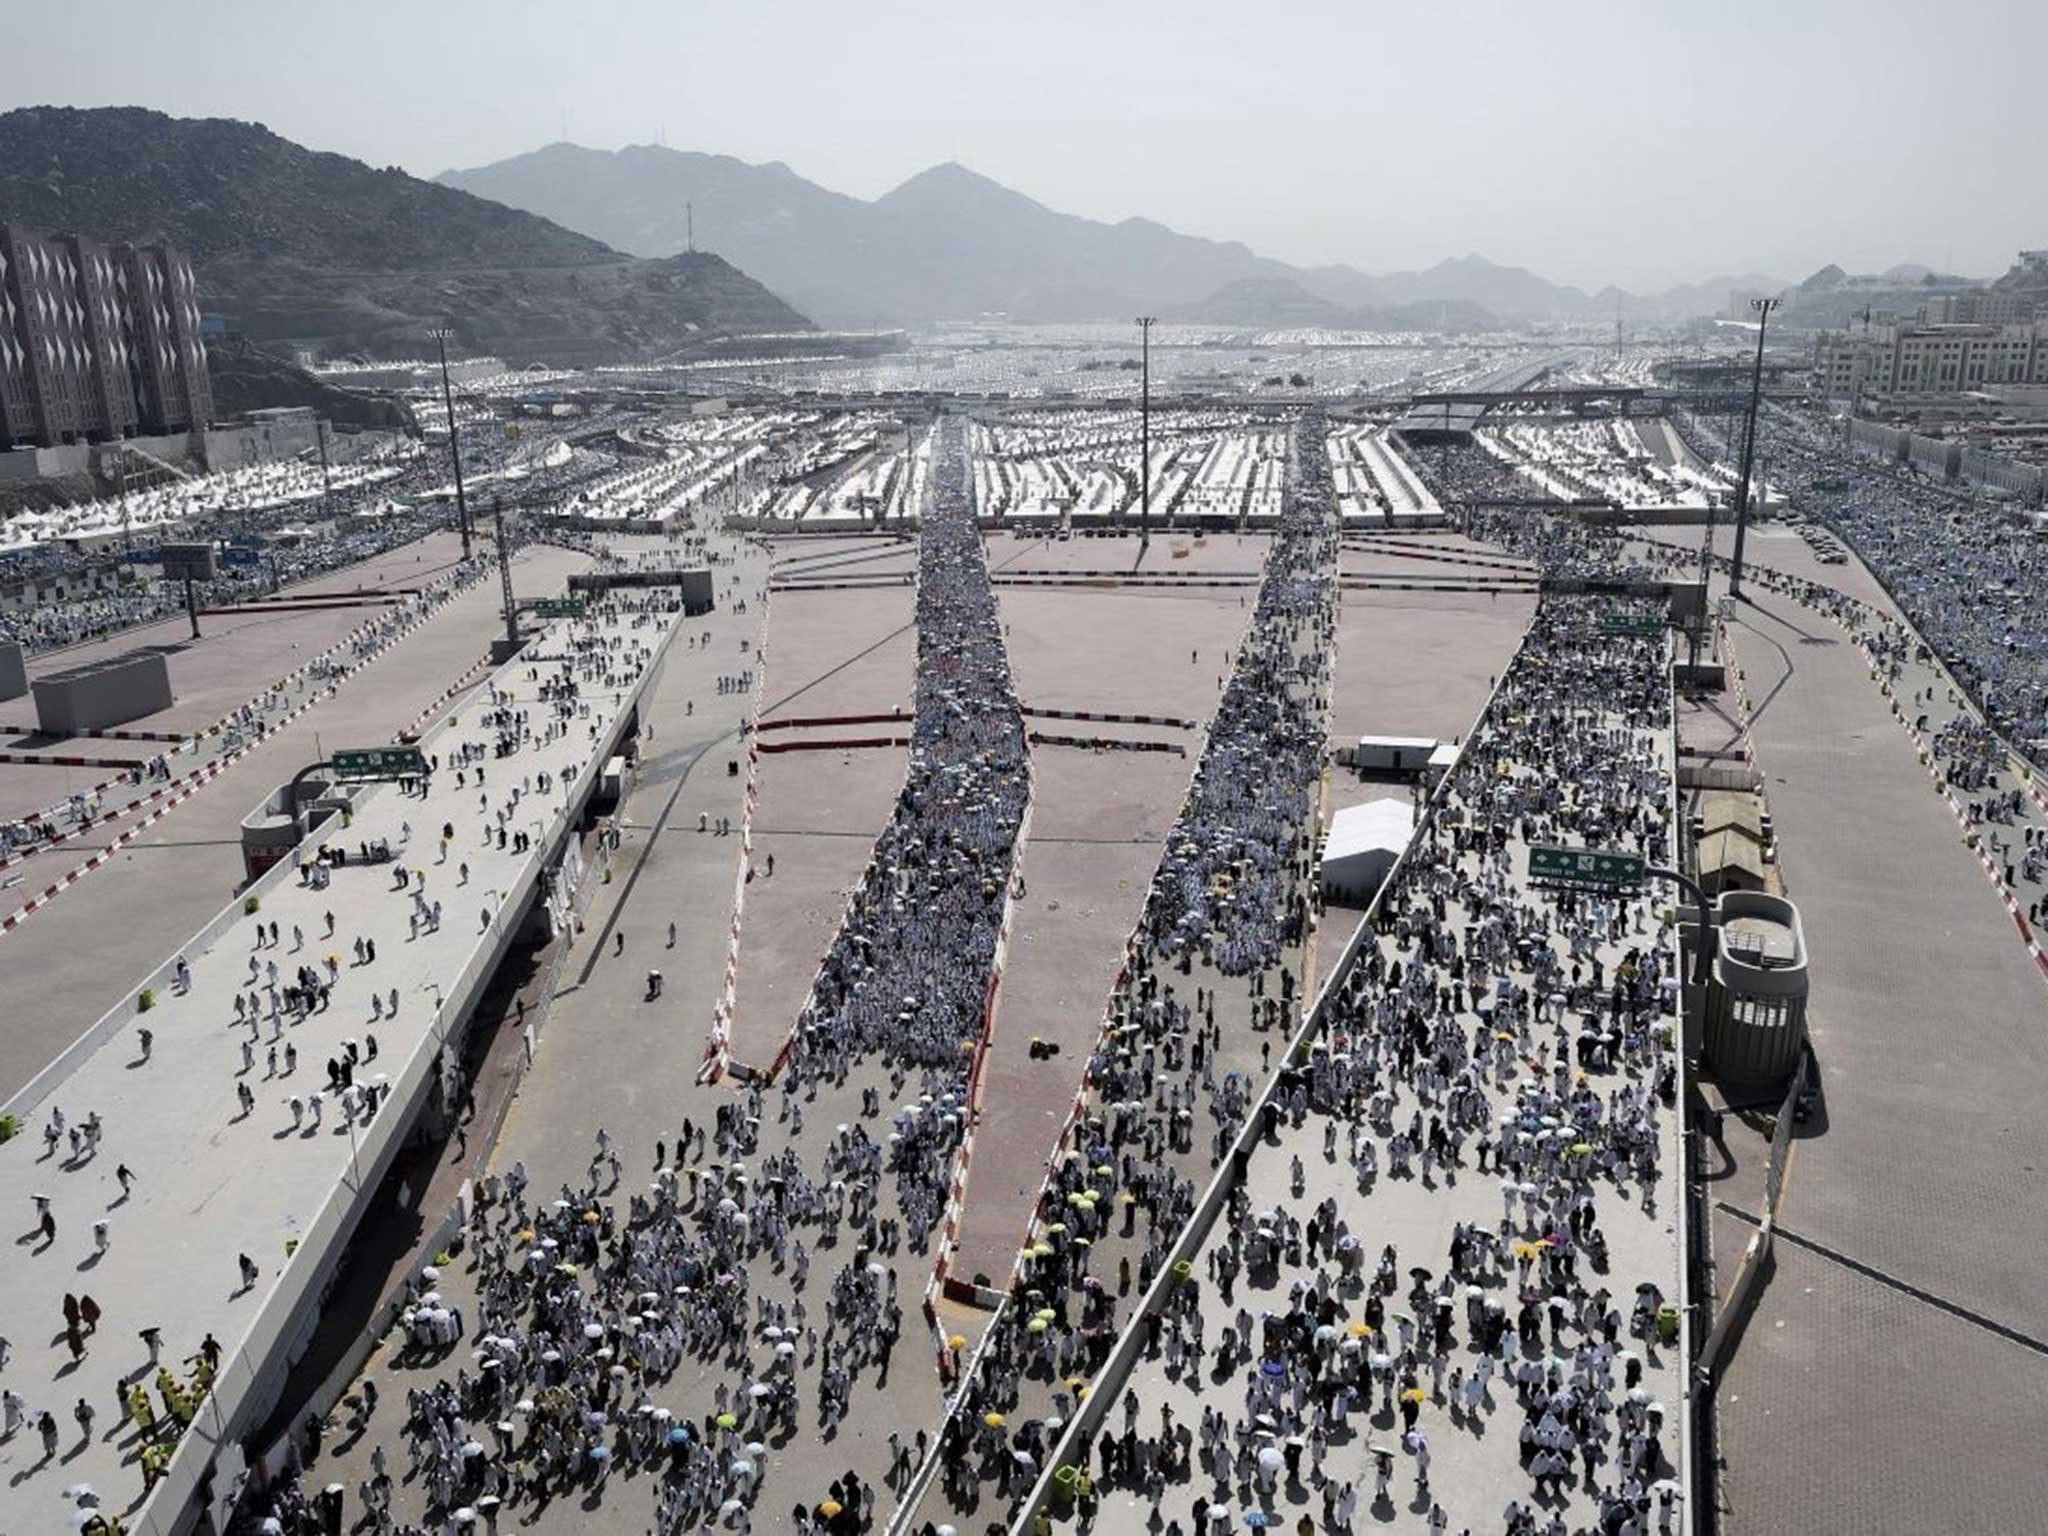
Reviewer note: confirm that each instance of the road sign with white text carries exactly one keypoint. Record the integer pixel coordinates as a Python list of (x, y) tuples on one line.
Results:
[(1594, 868), (379, 763)]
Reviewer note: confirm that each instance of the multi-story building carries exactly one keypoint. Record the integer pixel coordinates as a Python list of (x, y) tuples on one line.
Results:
[(1910, 358), (1979, 306), (97, 342)]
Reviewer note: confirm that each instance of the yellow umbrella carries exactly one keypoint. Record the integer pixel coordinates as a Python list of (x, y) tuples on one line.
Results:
[(727, 1421), (1357, 1330), (830, 1508), (1524, 1250), (1414, 1395), (994, 1420), (1036, 1325), (958, 1341)]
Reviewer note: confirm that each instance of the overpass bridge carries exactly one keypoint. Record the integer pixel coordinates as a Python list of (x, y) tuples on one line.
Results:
[(235, 1152)]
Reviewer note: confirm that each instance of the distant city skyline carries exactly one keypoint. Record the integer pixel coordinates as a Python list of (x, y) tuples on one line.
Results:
[(1642, 146)]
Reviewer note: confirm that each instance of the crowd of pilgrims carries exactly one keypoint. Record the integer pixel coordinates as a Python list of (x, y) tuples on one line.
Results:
[(1490, 1035), (1970, 581), (1240, 852), (907, 973), (1970, 754), (255, 715), (360, 521), (1160, 1112), (587, 1311)]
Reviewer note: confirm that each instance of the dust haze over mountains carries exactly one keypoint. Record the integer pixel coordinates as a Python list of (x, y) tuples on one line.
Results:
[(951, 244)]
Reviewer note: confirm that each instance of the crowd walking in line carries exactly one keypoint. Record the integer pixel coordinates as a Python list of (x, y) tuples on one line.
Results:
[(679, 1331)]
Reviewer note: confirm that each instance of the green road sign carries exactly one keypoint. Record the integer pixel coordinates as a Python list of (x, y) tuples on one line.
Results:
[(1595, 868), (379, 763), (559, 608), (1621, 624)]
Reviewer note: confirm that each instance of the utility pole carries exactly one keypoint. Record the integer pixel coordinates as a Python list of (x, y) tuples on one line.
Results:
[(1763, 308), (326, 473), (441, 335), (505, 571), (1145, 324)]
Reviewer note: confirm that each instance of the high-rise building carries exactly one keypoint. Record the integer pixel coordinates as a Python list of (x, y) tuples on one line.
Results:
[(97, 342), (1895, 358)]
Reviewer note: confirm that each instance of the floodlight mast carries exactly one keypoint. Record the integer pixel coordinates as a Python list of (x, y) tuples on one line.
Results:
[(1145, 324), (441, 333), (1763, 308)]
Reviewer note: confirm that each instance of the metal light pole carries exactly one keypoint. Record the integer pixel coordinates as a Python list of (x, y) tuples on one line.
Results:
[(1145, 324), (326, 473), (441, 335), (505, 572), (1763, 308)]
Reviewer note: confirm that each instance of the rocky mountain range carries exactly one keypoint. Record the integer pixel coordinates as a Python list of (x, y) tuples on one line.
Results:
[(293, 246), (952, 244)]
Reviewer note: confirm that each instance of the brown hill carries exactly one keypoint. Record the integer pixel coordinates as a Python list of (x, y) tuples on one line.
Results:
[(292, 245)]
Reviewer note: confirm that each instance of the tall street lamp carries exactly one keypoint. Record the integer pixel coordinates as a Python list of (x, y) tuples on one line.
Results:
[(441, 335), (1145, 324), (1763, 308)]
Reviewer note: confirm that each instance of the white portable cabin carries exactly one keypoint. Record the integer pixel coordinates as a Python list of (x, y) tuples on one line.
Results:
[(1393, 754)]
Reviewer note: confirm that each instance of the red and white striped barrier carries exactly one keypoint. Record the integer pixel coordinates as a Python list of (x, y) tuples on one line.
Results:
[(48, 760), (718, 1046), (1106, 744), (1089, 714), (198, 778), (963, 1158), (1972, 834), (173, 737)]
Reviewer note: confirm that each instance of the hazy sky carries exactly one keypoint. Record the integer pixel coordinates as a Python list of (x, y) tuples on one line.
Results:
[(1643, 144)]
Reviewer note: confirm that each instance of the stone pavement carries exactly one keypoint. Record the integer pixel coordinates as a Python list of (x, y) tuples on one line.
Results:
[(170, 1111)]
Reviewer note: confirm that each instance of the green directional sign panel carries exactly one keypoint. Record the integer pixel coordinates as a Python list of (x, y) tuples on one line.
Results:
[(559, 608), (1621, 624), (379, 763), (1596, 868)]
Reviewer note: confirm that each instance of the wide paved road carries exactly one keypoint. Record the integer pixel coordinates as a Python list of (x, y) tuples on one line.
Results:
[(169, 881), (216, 1179), (1903, 1340)]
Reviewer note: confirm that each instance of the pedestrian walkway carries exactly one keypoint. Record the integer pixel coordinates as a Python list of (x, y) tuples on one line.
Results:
[(246, 1163), (1434, 1343)]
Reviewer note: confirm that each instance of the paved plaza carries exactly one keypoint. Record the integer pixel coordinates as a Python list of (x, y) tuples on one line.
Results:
[(1926, 1018), (165, 884), (142, 1185), (854, 1138), (1302, 1348)]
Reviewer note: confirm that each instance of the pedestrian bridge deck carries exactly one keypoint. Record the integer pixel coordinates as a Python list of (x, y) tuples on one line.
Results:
[(213, 1182)]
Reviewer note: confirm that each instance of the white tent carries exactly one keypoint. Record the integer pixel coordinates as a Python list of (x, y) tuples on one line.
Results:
[(1363, 843)]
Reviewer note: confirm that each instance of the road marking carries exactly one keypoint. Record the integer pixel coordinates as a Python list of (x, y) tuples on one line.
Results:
[(1893, 1282)]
